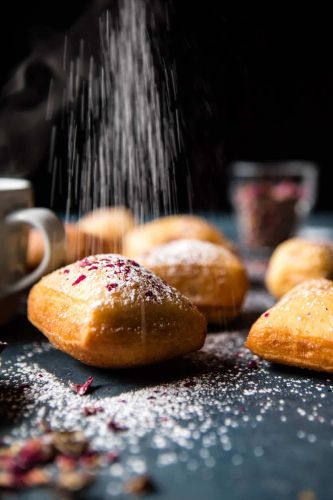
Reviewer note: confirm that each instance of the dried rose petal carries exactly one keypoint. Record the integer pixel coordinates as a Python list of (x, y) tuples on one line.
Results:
[(111, 286), (82, 389), (33, 452), (86, 262), (115, 427), (27, 465), (10, 480), (70, 443), (133, 263), (90, 459), (66, 462), (6, 459), (37, 477), (92, 410), (79, 279), (140, 485), (112, 457), (73, 480)]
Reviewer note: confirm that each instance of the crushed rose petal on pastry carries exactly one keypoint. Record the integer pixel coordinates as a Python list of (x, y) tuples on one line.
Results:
[(108, 311)]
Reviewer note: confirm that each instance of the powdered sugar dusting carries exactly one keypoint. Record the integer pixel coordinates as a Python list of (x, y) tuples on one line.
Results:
[(186, 414), (186, 251), (314, 295), (100, 279)]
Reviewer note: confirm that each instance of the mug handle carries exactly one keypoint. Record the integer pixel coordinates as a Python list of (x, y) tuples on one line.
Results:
[(54, 243)]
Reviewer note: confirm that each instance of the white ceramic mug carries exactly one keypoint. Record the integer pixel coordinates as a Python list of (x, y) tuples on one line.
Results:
[(16, 200)]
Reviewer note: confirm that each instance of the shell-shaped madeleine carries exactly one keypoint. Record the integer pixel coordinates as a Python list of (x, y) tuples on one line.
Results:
[(108, 311)]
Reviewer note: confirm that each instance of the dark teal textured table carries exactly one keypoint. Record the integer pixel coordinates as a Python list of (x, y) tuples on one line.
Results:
[(214, 424)]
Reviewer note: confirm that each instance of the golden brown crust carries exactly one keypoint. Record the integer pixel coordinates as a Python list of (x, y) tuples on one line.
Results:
[(81, 243), (211, 276), (298, 330), (109, 224), (108, 311), (170, 228), (78, 245), (297, 260)]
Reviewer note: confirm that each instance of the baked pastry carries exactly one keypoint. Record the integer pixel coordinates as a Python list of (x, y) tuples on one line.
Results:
[(109, 224), (211, 276), (298, 330), (297, 260), (108, 311), (170, 228), (78, 245)]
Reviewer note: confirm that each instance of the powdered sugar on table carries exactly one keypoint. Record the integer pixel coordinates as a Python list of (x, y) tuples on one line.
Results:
[(183, 413)]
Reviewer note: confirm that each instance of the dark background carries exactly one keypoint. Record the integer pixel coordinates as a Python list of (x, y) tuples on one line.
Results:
[(251, 86)]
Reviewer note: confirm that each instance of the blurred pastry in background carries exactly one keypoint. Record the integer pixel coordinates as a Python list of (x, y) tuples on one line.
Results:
[(295, 261), (298, 330), (109, 224), (78, 245), (170, 228), (99, 231), (81, 243), (211, 276)]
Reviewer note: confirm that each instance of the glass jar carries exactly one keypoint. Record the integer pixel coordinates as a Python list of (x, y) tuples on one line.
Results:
[(271, 201)]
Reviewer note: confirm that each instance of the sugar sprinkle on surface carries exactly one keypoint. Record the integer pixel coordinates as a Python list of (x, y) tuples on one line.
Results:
[(187, 420)]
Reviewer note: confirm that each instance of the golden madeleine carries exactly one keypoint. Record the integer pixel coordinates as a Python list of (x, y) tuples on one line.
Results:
[(109, 224), (211, 276), (298, 330), (108, 311), (170, 228), (78, 245), (297, 260)]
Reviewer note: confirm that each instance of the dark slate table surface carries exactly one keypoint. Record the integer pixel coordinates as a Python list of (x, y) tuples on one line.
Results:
[(211, 425)]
